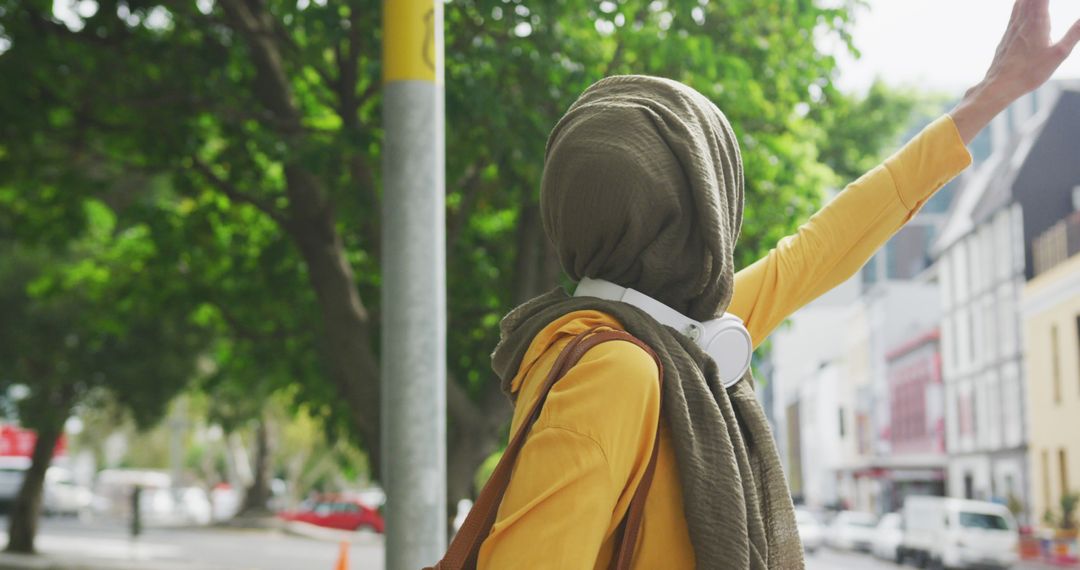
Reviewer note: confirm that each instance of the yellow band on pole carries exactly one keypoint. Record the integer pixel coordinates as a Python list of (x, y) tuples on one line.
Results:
[(412, 41)]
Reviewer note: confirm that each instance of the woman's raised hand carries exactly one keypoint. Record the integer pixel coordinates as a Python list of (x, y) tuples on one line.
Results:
[(1024, 60)]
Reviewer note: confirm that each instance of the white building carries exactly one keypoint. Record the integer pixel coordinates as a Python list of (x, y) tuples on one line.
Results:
[(829, 377), (831, 390), (981, 259)]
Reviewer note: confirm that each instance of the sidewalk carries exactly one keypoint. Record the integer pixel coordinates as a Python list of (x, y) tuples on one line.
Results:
[(70, 562), (68, 545), (1036, 565), (85, 553)]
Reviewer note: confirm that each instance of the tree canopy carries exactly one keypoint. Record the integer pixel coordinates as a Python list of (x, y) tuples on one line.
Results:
[(241, 138), (88, 317)]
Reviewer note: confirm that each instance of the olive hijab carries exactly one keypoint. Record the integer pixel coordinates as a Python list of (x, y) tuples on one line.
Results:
[(643, 186)]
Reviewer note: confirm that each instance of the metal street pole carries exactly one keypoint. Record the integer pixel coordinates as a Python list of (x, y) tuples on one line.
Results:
[(413, 284)]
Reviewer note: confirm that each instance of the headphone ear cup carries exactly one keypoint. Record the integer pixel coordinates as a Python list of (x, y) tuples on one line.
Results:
[(728, 343)]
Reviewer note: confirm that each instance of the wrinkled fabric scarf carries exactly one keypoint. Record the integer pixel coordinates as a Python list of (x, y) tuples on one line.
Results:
[(643, 187)]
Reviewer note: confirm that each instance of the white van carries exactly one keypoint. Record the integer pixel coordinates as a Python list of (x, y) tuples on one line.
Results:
[(956, 533)]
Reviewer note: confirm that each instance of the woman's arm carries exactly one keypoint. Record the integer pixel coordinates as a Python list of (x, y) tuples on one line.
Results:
[(840, 238), (837, 240)]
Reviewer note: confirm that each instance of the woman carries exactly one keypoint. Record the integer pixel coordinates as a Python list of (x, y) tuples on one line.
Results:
[(643, 188)]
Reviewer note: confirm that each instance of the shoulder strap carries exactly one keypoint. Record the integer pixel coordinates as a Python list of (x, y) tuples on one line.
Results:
[(465, 548)]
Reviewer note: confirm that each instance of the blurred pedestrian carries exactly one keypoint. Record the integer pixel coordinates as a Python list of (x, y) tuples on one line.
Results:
[(136, 511)]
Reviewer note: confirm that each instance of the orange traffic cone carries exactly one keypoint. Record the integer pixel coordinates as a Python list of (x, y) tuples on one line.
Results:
[(343, 557)]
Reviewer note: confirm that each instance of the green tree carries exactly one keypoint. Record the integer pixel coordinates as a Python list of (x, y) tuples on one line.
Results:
[(261, 117), (79, 320), (857, 130)]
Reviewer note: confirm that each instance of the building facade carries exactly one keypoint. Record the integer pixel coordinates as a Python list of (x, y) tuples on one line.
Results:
[(829, 381), (870, 404), (981, 276), (804, 360), (984, 258), (916, 462), (1051, 315)]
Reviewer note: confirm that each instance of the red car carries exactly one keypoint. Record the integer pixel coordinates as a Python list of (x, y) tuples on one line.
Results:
[(337, 512)]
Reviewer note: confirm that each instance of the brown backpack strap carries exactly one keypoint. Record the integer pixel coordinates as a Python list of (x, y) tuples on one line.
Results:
[(465, 548), (631, 525)]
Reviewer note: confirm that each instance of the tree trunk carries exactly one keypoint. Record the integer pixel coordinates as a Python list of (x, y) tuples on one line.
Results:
[(529, 266), (311, 223), (26, 511), (348, 333), (468, 450), (257, 496)]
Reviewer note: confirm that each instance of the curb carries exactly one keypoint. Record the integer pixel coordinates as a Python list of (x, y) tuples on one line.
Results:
[(250, 523), (314, 532)]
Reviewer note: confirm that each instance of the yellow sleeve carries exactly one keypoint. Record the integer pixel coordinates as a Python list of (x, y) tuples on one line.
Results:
[(841, 237), (580, 464)]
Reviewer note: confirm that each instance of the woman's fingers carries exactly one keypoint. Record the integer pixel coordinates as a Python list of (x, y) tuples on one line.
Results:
[(1067, 43), (1015, 12), (1025, 8), (1036, 8)]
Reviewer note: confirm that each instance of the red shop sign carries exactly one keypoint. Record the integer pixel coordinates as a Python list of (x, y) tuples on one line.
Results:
[(19, 442)]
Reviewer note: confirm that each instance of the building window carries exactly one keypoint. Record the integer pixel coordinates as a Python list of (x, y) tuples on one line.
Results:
[(963, 408), (1018, 239), (973, 405), (974, 284), (959, 275), (840, 415), (1055, 363), (1007, 325), (1063, 468), (969, 486), (955, 344), (971, 335), (946, 283), (1046, 479)]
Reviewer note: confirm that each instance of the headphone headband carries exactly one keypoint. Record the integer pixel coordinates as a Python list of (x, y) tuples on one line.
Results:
[(725, 339)]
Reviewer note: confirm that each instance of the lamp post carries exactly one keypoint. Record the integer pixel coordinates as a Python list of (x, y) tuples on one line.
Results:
[(413, 284)]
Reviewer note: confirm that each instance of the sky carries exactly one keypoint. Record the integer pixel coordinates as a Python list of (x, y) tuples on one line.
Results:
[(942, 45)]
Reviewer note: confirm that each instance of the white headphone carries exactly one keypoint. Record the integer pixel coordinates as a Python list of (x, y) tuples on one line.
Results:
[(725, 339)]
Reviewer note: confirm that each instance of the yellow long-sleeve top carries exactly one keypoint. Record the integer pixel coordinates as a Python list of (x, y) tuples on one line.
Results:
[(589, 448)]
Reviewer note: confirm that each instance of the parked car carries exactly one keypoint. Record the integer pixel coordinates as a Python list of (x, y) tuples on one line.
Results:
[(851, 530), (62, 496), (958, 533), (337, 512), (811, 531), (887, 536), (12, 471)]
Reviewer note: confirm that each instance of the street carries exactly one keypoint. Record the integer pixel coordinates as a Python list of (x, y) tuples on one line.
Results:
[(828, 559), (211, 548), (219, 548)]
